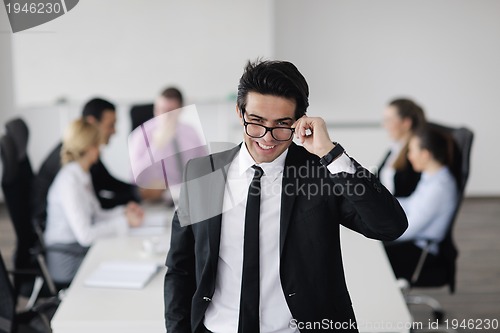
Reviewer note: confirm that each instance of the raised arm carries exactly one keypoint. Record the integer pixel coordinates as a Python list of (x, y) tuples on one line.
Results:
[(367, 206)]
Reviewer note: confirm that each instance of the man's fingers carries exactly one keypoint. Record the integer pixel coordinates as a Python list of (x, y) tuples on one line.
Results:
[(300, 127), (305, 128)]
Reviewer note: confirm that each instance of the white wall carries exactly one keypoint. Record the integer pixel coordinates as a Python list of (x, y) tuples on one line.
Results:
[(6, 89), (357, 55), (130, 50), (6, 78)]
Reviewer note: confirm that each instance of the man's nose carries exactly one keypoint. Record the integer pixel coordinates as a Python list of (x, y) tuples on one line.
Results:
[(268, 137)]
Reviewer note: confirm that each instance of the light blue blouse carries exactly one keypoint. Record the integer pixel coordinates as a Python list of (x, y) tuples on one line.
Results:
[(430, 208)]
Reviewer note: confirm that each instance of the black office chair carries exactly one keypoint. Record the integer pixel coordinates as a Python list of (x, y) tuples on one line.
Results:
[(443, 273), (41, 185), (36, 319), (139, 114), (16, 185)]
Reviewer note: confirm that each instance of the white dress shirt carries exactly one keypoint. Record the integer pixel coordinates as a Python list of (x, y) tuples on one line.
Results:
[(430, 207), (74, 213), (223, 312)]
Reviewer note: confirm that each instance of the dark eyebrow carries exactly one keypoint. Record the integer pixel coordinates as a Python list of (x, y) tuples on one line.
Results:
[(262, 118), (284, 119)]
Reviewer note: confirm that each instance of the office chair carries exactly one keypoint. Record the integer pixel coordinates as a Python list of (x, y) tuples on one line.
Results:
[(16, 185), (41, 185), (36, 319), (139, 114), (443, 273)]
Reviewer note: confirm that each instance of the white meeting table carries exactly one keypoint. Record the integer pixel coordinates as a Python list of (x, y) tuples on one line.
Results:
[(377, 301)]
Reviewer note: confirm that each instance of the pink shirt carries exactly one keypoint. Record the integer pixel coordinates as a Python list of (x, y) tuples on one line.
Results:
[(158, 157)]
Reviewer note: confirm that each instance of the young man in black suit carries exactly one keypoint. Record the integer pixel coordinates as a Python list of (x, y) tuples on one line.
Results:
[(255, 240)]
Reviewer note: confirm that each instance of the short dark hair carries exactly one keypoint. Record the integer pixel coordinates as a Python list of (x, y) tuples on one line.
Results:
[(277, 78), (96, 106), (438, 143), (409, 109), (173, 93)]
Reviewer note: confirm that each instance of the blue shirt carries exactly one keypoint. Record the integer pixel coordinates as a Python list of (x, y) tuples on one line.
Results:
[(430, 208)]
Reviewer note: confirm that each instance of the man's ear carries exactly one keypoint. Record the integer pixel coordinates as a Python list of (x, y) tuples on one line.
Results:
[(238, 113), (91, 119)]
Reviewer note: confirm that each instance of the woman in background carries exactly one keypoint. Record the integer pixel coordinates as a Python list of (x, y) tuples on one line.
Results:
[(430, 207), (74, 216), (402, 118)]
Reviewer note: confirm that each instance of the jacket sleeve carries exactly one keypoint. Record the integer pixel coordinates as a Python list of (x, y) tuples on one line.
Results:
[(367, 206), (180, 279), (110, 191)]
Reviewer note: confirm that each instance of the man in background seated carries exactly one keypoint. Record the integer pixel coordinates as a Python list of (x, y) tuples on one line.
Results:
[(110, 191), (171, 143)]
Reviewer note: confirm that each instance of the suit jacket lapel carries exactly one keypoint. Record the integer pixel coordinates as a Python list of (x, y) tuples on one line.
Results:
[(220, 165), (288, 193)]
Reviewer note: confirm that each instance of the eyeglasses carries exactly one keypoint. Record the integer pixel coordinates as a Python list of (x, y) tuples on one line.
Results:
[(258, 131)]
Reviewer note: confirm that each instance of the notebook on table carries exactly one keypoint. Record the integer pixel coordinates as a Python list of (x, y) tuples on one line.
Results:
[(125, 274)]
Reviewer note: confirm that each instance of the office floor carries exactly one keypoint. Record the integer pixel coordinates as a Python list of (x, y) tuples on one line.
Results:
[(477, 235), (477, 294)]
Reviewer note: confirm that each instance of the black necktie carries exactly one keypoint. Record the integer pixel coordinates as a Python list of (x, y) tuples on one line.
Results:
[(250, 291)]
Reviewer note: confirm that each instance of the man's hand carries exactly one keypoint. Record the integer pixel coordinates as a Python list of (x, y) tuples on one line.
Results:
[(134, 214), (312, 133)]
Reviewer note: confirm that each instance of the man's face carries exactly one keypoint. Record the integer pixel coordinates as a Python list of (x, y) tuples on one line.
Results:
[(107, 125), (163, 105), (270, 111)]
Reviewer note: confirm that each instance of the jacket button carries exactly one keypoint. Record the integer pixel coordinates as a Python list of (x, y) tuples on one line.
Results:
[(207, 299), (377, 187)]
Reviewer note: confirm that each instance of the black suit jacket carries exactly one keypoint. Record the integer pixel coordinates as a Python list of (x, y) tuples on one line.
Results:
[(311, 267)]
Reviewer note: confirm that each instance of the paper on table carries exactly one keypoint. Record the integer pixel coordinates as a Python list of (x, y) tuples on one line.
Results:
[(146, 231), (156, 219), (122, 274)]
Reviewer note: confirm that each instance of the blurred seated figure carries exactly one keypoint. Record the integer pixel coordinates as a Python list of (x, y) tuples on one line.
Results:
[(160, 148), (430, 207), (139, 114), (110, 191), (402, 118), (74, 216)]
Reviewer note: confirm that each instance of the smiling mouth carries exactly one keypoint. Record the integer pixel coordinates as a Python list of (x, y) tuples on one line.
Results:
[(262, 146)]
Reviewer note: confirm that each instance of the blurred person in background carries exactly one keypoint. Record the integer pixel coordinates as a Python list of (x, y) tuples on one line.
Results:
[(110, 191), (162, 146), (402, 118), (74, 216), (430, 207)]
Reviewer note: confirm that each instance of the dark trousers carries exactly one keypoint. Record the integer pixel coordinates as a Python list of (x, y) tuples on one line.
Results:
[(404, 257)]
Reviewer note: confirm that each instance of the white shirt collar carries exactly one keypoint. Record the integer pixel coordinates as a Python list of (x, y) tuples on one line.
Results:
[(246, 161), (82, 174)]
